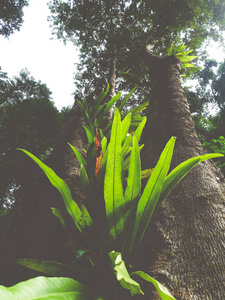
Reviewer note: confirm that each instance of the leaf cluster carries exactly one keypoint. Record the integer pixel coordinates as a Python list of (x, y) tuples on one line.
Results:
[(11, 16), (115, 190)]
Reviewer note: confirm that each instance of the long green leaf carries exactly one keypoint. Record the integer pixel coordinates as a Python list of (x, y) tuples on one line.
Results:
[(126, 99), (179, 172), (56, 181), (46, 288), (90, 134), (111, 102), (101, 97), (125, 126), (62, 215), (151, 193), (139, 108), (83, 111), (85, 182), (51, 268), (163, 292), (126, 145), (122, 275), (79, 156), (134, 175), (113, 187), (132, 192), (139, 130)]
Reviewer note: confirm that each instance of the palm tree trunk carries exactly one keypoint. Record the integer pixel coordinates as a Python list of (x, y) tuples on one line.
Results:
[(190, 257)]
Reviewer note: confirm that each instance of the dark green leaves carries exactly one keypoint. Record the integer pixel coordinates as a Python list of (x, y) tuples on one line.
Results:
[(70, 204)]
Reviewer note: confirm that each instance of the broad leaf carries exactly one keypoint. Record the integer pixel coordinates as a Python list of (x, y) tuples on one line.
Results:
[(125, 126), (56, 181), (46, 288), (79, 156), (122, 275), (132, 192), (51, 268), (113, 187), (111, 102), (85, 182), (163, 292), (151, 193), (126, 99), (90, 135), (179, 172), (139, 130)]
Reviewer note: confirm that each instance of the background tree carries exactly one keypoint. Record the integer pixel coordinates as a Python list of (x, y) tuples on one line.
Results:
[(178, 18), (27, 117), (107, 31), (11, 16), (207, 104)]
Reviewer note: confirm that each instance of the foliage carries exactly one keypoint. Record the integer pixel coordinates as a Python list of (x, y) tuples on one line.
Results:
[(11, 16), (101, 27), (47, 288), (208, 105), (184, 57), (28, 117), (115, 188), (217, 146)]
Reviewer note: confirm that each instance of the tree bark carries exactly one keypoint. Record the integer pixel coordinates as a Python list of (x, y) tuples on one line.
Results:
[(190, 255)]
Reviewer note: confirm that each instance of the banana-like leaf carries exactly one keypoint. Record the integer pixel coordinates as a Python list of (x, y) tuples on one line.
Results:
[(85, 182), (90, 134), (150, 196), (111, 102), (179, 172), (126, 145), (125, 126), (88, 121), (83, 111), (79, 156), (163, 292), (50, 268), (104, 144), (139, 130), (134, 175), (113, 186), (122, 275), (60, 288), (62, 215), (132, 192), (101, 98), (71, 206), (126, 99), (139, 108)]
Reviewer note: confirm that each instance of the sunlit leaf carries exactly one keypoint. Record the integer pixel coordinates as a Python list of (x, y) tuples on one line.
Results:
[(122, 275), (163, 292)]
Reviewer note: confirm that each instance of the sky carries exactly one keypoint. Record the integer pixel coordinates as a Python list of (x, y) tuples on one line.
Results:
[(49, 61)]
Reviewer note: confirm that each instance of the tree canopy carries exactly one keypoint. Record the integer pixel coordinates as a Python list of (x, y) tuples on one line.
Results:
[(11, 16), (28, 118), (100, 28)]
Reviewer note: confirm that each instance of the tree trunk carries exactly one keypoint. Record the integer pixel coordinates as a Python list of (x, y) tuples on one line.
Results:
[(31, 230), (190, 257)]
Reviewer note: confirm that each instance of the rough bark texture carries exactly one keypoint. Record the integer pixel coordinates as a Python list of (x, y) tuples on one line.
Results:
[(190, 254), (31, 230)]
